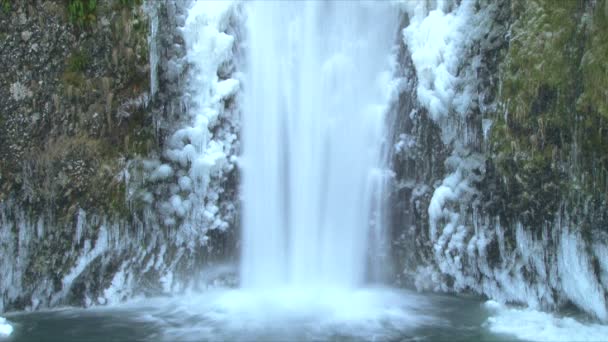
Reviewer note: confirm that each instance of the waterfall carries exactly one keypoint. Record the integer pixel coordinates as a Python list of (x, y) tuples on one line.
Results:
[(317, 85)]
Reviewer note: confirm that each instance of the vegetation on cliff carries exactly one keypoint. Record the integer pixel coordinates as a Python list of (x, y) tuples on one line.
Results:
[(549, 139), (76, 79)]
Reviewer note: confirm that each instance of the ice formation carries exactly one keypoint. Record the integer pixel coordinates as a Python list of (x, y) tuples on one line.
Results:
[(542, 270), (199, 150)]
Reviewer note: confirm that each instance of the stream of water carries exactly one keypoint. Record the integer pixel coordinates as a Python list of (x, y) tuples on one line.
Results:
[(313, 123)]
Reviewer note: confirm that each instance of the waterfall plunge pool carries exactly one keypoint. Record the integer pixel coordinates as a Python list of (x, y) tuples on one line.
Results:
[(369, 314)]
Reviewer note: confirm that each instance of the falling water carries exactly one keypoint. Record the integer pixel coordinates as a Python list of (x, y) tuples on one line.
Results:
[(316, 91)]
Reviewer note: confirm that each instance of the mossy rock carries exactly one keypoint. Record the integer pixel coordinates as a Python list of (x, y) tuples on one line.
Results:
[(549, 138)]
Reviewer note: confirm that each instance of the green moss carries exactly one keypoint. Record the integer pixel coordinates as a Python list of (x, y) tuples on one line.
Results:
[(537, 66), (82, 12), (80, 171), (130, 3), (78, 61), (593, 65), (142, 139), (6, 5), (75, 79), (74, 172), (75, 65), (549, 140)]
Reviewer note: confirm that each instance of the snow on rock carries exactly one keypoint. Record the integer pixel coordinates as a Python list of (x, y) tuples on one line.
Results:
[(5, 328), (532, 325), (20, 91)]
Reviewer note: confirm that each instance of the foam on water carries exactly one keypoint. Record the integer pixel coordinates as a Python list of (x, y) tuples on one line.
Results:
[(285, 314), (533, 325)]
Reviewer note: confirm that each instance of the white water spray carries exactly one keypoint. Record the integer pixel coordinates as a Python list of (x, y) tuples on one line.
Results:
[(317, 88)]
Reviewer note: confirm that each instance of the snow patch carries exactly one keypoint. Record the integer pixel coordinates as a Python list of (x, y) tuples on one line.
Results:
[(532, 325), (5, 328), (19, 91)]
